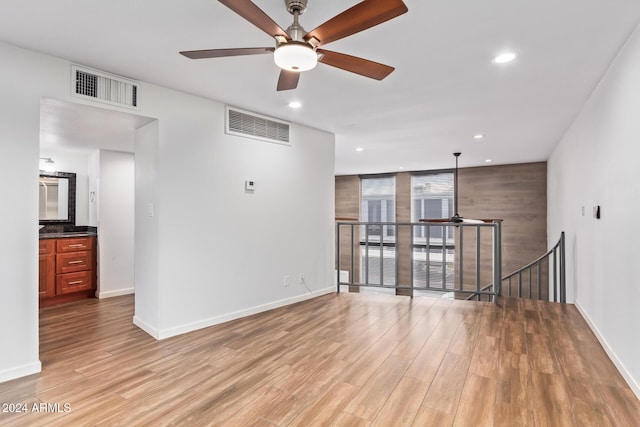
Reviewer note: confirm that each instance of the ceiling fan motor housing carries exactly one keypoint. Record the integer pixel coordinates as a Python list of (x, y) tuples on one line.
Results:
[(294, 6)]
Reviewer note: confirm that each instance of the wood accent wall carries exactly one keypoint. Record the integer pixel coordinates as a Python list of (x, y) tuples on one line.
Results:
[(517, 194), (403, 214), (347, 205)]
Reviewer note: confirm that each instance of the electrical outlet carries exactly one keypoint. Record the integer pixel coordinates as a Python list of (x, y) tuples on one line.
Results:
[(287, 281), (301, 279)]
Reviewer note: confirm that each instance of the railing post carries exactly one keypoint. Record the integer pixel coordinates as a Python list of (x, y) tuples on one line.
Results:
[(497, 260), (397, 269), (353, 256), (563, 271), (555, 275), (338, 257), (460, 258), (478, 255), (366, 253), (540, 280), (411, 260), (427, 279), (382, 254)]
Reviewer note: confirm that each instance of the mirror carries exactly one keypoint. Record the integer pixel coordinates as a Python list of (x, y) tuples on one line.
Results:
[(57, 198)]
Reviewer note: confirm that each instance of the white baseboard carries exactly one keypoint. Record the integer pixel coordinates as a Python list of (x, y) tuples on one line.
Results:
[(20, 371), (145, 327), (189, 327), (633, 384), (116, 293)]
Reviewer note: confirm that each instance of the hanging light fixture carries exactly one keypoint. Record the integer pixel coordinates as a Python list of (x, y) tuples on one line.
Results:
[(47, 164), (456, 217)]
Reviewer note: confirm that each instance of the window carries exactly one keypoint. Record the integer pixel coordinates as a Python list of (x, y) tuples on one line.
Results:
[(379, 205), (433, 246), (432, 197), (377, 241)]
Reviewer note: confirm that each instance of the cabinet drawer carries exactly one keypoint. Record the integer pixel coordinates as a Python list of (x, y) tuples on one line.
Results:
[(74, 282), (47, 246), (73, 261), (75, 245)]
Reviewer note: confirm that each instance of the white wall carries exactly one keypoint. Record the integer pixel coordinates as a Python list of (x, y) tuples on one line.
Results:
[(147, 269), (596, 163), (94, 184), (214, 251), (21, 84), (115, 224), (223, 252), (74, 162)]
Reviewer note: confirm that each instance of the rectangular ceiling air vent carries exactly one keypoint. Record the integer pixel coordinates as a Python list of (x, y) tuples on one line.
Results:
[(251, 125), (104, 87)]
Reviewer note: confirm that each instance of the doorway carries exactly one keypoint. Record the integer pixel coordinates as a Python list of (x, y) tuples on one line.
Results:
[(97, 145)]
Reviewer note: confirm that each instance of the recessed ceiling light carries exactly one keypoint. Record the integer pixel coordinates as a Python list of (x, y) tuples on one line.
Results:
[(488, 161), (359, 149), (401, 167), (478, 136), (503, 58), (295, 104)]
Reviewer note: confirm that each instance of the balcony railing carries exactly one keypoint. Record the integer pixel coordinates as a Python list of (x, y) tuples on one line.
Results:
[(431, 255)]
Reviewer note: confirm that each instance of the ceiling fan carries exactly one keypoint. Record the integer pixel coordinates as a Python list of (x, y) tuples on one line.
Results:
[(297, 50)]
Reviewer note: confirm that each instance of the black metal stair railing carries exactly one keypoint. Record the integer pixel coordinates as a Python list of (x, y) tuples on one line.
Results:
[(542, 279)]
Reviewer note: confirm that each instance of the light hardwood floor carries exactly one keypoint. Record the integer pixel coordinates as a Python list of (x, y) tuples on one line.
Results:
[(341, 359)]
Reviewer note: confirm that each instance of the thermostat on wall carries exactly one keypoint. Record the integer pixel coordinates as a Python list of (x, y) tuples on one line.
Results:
[(249, 185)]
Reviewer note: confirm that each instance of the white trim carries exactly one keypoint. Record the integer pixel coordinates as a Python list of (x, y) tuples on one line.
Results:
[(635, 387), (116, 293), (20, 371), (189, 327), (145, 327)]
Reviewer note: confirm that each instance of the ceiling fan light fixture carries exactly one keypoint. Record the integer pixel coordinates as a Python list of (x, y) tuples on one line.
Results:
[(295, 56)]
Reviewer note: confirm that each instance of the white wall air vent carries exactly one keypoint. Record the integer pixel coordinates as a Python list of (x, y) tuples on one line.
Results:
[(103, 87), (251, 125)]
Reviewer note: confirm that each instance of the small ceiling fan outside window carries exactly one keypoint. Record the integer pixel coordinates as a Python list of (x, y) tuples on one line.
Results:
[(296, 50)]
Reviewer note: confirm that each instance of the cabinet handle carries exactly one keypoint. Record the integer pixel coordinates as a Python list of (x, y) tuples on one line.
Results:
[(76, 262), (78, 245), (75, 282)]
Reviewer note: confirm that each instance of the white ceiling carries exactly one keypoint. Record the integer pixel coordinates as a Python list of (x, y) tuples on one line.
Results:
[(444, 90)]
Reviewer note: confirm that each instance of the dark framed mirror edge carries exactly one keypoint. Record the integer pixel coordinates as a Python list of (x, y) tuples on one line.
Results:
[(71, 216)]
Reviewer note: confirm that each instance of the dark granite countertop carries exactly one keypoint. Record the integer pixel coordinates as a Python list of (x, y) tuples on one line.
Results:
[(61, 231), (62, 235)]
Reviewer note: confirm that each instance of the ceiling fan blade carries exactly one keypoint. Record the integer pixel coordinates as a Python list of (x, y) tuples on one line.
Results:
[(288, 80), (363, 15), (252, 13), (364, 67), (219, 53)]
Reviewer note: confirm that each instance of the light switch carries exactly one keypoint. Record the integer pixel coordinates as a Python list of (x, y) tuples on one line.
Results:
[(149, 209)]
